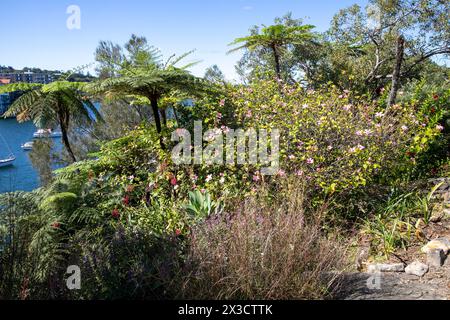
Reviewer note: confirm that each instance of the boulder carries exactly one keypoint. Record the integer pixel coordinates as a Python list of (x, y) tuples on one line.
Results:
[(439, 244), (385, 267), (435, 258), (417, 268)]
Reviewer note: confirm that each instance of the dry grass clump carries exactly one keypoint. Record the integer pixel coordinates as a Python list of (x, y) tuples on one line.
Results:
[(265, 249)]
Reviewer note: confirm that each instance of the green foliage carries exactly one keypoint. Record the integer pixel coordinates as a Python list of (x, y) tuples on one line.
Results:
[(200, 205)]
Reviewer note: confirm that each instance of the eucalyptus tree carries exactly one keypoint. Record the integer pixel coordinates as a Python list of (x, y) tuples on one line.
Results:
[(277, 39), (396, 37), (48, 105), (214, 75), (142, 75)]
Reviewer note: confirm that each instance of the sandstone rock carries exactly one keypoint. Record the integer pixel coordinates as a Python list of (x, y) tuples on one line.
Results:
[(435, 258), (385, 267), (416, 268), (441, 243)]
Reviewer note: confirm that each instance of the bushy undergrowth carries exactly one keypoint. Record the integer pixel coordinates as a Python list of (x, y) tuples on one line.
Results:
[(140, 226)]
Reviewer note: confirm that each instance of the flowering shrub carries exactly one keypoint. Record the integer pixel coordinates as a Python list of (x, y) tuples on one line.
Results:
[(331, 138)]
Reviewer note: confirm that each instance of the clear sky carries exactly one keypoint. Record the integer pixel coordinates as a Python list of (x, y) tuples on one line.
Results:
[(34, 33)]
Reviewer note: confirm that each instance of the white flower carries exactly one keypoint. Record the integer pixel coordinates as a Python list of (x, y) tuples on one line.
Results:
[(208, 178), (222, 180), (404, 128), (439, 127)]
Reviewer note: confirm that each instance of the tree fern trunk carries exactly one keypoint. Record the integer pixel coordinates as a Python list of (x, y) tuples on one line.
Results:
[(277, 62), (64, 124), (154, 103)]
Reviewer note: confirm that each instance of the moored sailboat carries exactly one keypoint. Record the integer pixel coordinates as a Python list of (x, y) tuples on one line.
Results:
[(8, 160)]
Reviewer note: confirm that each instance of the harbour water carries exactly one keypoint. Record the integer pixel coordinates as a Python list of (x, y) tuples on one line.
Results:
[(21, 175)]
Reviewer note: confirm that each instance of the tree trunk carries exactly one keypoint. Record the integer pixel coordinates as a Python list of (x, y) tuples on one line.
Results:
[(277, 62), (64, 124), (397, 70), (154, 103)]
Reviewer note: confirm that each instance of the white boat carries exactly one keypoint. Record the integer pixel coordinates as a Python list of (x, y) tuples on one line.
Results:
[(27, 145), (8, 161), (47, 133)]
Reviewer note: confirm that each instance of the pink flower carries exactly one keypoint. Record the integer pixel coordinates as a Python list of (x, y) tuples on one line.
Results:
[(256, 178), (222, 102), (249, 114), (281, 173), (173, 181), (203, 190), (208, 178), (219, 115), (299, 173), (310, 161), (404, 128), (439, 127)]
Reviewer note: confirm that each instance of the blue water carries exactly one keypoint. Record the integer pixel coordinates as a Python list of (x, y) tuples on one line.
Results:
[(20, 176)]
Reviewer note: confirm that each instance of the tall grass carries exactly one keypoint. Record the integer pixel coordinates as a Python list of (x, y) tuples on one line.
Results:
[(264, 249)]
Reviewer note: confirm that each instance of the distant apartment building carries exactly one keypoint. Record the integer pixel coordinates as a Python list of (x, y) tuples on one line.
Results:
[(26, 76), (29, 77)]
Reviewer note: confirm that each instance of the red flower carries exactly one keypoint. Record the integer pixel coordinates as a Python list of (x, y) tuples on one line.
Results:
[(432, 110), (173, 181), (55, 225), (126, 200), (115, 213), (178, 232), (436, 97)]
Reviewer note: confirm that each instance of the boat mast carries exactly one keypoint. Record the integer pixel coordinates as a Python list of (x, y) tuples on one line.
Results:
[(11, 154)]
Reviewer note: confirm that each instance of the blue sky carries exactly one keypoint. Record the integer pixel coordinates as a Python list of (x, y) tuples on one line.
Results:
[(34, 33)]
